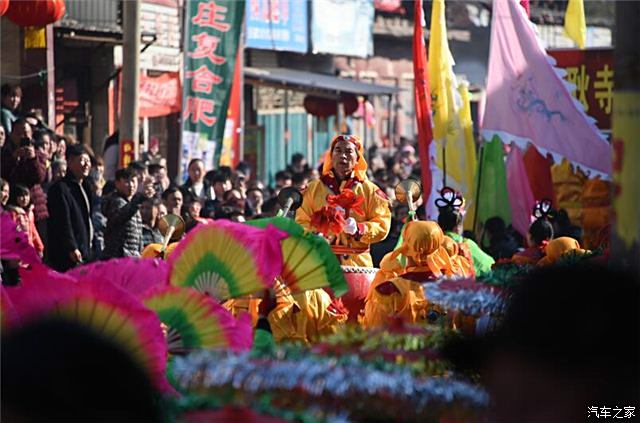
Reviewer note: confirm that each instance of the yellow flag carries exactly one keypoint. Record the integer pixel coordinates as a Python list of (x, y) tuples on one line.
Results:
[(440, 71), (468, 163), (575, 24)]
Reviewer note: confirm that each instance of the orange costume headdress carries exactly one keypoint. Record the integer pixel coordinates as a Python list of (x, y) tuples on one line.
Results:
[(360, 170), (558, 248), (390, 293), (422, 245), (460, 265)]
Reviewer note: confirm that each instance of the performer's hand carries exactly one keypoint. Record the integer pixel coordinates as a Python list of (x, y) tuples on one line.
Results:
[(75, 256), (351, 226)]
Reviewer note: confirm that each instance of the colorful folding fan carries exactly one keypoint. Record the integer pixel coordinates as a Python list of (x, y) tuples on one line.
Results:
[(8, 315), (309, 262), (14, 245), (227, 260), (134, 275), (102, 307), (195, 320)]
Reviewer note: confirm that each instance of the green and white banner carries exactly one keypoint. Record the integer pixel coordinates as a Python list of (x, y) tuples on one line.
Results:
[(212, 34)]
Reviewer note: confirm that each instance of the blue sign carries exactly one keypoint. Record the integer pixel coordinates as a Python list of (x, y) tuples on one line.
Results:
[(277, 25), (342, 27)]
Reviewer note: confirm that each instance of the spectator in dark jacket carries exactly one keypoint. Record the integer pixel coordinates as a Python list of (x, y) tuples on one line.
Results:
[(11, 95), (69, 225), (197, 187), (123, 234), (501, 243)]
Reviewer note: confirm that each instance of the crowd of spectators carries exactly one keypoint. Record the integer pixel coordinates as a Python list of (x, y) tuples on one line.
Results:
[(57, 192)]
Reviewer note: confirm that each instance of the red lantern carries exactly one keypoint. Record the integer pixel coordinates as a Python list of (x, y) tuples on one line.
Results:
[(325, 107), (4, 5), (350, 104), (319, 106), (35, 12)]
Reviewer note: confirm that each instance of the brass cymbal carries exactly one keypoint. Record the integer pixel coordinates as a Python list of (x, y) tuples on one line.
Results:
[(408, 186), (290, 193), (168, 221)]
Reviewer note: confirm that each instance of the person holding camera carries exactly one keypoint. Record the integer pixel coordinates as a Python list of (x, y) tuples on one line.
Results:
[(123, 234), (24, 164)]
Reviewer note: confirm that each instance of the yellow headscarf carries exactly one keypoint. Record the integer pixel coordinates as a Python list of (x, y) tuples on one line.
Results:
[(559, 247), (422, 244), (360, 170)]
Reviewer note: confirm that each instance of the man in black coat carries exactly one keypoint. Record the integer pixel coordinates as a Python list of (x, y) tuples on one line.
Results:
[(69, 203)]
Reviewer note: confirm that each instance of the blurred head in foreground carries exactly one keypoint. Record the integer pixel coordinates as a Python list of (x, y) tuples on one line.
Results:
[(56, 371), (569, 341)]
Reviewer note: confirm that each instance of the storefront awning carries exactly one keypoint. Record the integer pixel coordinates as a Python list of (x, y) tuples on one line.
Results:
[(314, 83)]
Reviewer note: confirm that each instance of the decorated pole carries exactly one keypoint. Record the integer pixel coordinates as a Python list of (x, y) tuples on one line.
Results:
[(129, 125), (626, 126)]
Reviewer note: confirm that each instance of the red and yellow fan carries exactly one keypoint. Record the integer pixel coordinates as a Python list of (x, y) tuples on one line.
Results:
[(196, 321), (308, 261), (100, 306), (226, 260)]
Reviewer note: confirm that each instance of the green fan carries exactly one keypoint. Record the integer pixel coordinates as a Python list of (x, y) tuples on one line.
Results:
[(308, 261)]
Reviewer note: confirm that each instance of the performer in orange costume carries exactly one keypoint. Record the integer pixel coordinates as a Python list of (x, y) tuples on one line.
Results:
[(396, 290), (345, 169)]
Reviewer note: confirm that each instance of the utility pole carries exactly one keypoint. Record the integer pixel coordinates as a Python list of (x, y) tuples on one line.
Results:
[(626, 145), (129, 126)]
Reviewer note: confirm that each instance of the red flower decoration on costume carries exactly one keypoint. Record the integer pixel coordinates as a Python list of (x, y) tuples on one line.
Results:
[(328, 220), (348, 200)]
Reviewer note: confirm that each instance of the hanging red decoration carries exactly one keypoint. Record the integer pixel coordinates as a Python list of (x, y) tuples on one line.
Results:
[(4, 5), (325, 107), (35, 12)]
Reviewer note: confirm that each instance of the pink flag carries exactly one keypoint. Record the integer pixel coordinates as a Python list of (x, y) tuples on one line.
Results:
[(520, 195), (529, 102)]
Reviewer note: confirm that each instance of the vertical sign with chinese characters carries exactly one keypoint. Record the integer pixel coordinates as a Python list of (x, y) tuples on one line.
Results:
[(591, 71), (212, 33)]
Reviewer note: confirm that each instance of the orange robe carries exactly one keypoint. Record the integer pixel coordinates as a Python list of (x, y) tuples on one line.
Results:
[(374, 225)]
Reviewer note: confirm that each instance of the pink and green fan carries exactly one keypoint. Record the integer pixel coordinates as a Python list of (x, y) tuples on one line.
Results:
[(196, 321), (308, 261), (226, 260), (134, 275), (102, 307)]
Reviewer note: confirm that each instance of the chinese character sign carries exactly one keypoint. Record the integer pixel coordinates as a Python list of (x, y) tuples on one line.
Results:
[(277, 25), (213, 31), (127, 153), (591, 71), (160, 96)]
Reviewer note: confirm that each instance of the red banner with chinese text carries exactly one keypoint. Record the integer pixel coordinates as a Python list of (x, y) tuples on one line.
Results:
[(591, 71), (160, 96)]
